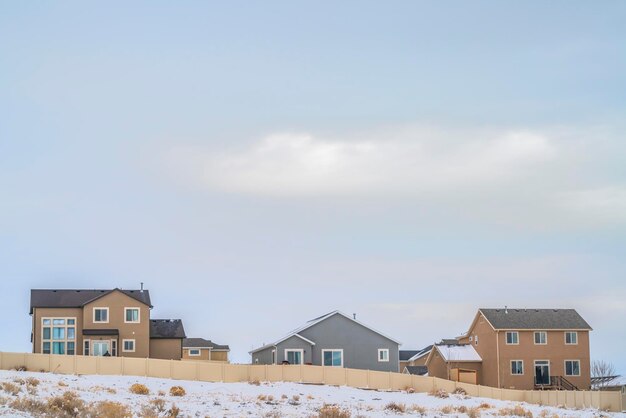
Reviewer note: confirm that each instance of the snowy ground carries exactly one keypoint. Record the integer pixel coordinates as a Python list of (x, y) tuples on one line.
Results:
[(250, 400)]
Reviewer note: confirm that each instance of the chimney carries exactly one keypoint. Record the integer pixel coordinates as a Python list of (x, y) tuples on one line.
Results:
[(141, 290), (353, 316)]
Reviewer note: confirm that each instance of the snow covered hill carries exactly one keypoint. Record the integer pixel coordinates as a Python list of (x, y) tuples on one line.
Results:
[(26, 394)]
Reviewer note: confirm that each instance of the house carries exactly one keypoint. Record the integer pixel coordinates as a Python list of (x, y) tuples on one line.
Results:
[(529, 348), (454, 361), (404, 356), (336, 340), (419, 358), (111, 322), (416, 370), (201, 349), (611, 383)]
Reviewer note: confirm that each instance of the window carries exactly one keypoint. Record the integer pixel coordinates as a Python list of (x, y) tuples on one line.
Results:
[(572, 367), (58, 335), (476, 340), (471, 338), (294, 356), (128, 346), (512, 337), (101, 315), (541, 338), (383, 354), (114, 348), (131, 315), (571, 338), (273, 357), (517, 367), (86, 348), (332, 358), (194, 352)]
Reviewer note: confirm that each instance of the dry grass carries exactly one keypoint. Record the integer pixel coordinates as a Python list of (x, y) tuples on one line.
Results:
[(110, 409), (516, 411), (283, 396), (439, 393), (139, 389), (62, 383), (409, 389), (460, 391), (32, 381), (473, 413), (485, 405), (255, 382), (418, 409), (177, 391), (547, 414), (19, 368), (448, 409), (262, 397), (67, 405), (332, 411), (398, 408), (30, 405), (161, 393), (173, 412), (158, 404), (10, 388)]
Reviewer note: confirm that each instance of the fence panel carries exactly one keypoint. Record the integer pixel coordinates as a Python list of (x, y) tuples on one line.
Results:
[(313, 374), (258, 372), (401, 381), (358, 379), (292, 373), (38, 362), (13, 360), (236, 373), (84, 365), (210, 372), (335, 376), (423, 383), (135, 366), (62, 364), (274, 373), (446, 385), (159, 368), (111, 366), (471, 390), (183, 370)]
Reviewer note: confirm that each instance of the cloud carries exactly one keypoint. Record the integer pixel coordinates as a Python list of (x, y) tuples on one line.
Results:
[(413, 162), (607, 203)]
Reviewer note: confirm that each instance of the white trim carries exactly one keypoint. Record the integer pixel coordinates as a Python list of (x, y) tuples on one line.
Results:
[(124, 350), (274, 357), (105, 308), (565, 368), (294, 350), (535, 339), (420, 355), (535, 370), (506, 337), (332, 350), (565, 337), (511, 368), (138, 315), (89, 342), (383, 350), (190, 354)]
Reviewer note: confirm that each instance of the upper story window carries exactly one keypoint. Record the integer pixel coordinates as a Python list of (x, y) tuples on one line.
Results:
[(512, 337), (572, 367), (58, 336), (383, 354), (475, 339), (131, 315), (541, 337), (571, 338), (101, 315)]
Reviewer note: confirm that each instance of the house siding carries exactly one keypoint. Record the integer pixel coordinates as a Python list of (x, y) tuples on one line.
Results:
[(166, 348)]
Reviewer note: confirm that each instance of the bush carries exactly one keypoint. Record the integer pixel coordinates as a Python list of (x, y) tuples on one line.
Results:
[(460, 391), (177, 391), (332, 411), (439, 393), (158, 404), (31, 405), (66, 405), (10, 388), (139, 389), (516, 411), (110, 409), (32, 381), (447, 409), (255, 382), (19, 368), (173, 412), (485, 405), (473, 413), (396, 407), (418, 409)]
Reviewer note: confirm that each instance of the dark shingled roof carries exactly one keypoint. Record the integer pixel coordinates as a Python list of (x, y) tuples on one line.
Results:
[(202, 343), (77, 298), (407, 354), (167, 328), (417, 370), (101, 332), (535, 318)]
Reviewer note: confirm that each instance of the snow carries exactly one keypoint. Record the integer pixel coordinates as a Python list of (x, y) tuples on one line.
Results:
[(245, 399), (464, 352)]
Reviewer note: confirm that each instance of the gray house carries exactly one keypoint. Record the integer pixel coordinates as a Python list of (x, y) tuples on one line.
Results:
[(334, 339)]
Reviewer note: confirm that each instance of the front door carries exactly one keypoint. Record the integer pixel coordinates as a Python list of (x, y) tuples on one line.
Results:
[(101, 348), (542, 372)]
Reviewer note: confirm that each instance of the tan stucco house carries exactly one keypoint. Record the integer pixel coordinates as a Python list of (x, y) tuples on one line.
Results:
[(112, 322), (523, 349), (201, 349)]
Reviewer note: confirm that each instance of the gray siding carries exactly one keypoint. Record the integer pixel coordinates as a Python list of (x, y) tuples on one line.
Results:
[(263, 356), (295, 343)]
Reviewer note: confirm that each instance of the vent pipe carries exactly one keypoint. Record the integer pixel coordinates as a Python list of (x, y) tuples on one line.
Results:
[(141, 290), (506, 310), (353, 316)]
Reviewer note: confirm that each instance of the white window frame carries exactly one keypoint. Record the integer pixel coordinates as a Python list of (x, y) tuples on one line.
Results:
[(300, 350), (124, 341), (475, 339), (570, 332), (511, 369), (565, 368), (332, 350), (65, 338), (535, 337), (382, 350), (273, 356), (191, 354), (506, 337), (87, 343), (101, 308), (126, 309)]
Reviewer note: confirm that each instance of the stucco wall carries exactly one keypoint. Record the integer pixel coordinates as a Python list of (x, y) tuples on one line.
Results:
[(166, 348)]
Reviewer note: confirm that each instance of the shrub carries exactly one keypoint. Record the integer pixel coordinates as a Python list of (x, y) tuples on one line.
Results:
[(418, 409), (439, 393), (462, 409), (396, 407), (158, 404), (62, 383), (139, 389), (68, 404), (177, 391), (460, 391), (10, 388), (173, 412), (161, 393), (516, 411), (255, 382), (31, 405), (110, 409), (20, 368), (332, 411), (447, 409), (32, 381), (473, 413), (409, 389), (262, 397), (283, 396), (485, 405)]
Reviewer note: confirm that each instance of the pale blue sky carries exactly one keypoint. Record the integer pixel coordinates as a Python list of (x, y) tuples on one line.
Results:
[(257, 164)]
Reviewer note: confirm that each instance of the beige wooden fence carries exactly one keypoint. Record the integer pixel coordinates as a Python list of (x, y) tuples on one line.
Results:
[(216, 372)]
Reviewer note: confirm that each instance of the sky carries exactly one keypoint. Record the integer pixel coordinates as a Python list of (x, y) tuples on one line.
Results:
[(258, 164)]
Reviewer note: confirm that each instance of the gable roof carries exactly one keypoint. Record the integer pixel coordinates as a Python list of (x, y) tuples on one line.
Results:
[(167, 328), (557, 319), (423, 352), (202, 343), (416, 370), (456, 352), (405, 355), (313, 322), (77, 298)]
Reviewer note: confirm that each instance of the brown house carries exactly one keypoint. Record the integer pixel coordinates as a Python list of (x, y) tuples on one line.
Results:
[(101, 323), (201, 349), (454, 361), (529, 348)]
